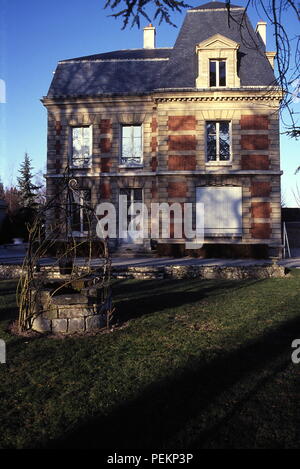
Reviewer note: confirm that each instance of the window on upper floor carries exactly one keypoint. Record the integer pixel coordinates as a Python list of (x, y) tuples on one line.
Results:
[(217, 72), (217, 63), (218, 141), (131, 145), (81, 146)]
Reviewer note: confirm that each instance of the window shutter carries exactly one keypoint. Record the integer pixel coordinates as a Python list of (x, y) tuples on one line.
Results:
[(222, 210)]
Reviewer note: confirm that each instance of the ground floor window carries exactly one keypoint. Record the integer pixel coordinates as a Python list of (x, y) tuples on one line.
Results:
[(222, 210), (133, 195), (80, 215)]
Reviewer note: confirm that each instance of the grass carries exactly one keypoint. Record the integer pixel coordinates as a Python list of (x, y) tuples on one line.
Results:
[(200, 364)]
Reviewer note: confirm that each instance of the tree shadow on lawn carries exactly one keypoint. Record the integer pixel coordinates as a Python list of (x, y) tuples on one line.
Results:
[(8, 313), (166, 296), (170, 407)]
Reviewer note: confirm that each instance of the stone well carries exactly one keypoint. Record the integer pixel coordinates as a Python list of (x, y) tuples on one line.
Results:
[(64, 305)]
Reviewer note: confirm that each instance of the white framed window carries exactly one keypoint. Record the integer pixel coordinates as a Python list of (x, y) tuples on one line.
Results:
[(218, 141), (81, 146), (134, 200), (217, 72), (131, 145), (222, 210), (80, 214)]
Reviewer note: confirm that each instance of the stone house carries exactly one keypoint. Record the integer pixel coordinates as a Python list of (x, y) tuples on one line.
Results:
[(197, 122)]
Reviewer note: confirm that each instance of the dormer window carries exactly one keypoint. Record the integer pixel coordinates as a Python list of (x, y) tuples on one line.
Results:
[(217, 63), (217, 72)]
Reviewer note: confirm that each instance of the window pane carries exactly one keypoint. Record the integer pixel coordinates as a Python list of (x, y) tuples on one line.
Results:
[(131, 144), (81, 146), (212, 73), (137, 131), (211, 147), (126, 131), (211, 128), (224, 141), (137, 148), (126, 148), (222, 73), (75, 221), (125, 192), (138, 195), (85, 213), (80, 220)]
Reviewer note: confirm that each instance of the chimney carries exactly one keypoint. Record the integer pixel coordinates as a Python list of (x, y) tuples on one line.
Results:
[(271, 57), (149, 37), (261, 30)]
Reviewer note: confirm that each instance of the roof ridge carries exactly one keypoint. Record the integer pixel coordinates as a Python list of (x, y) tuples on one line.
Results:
[(215, 6)]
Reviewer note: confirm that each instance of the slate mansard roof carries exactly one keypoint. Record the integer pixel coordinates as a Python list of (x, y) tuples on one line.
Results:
[(142, 71)]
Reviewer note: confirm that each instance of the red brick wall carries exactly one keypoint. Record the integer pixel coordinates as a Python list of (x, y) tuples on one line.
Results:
[(182, 123), (105, 145), (57, 148), (154, 163), (182, 162), (154, 124), (177, 189), (105, 165), (255, 162), (105, 190), (254, 142), (254, 122), (153, 144), (260, 189), (154, 191), (260, 209), (105, 126), (58, 127), (261, 230), (182, 142)]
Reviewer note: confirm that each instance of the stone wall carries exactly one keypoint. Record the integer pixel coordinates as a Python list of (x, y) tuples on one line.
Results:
[(8, 272), (202, 272), (268, 270)]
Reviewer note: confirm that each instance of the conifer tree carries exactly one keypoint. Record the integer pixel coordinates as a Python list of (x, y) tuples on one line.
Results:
[(26, 187)]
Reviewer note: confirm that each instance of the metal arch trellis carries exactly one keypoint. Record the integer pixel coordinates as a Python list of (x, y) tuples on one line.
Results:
[(51, 231)]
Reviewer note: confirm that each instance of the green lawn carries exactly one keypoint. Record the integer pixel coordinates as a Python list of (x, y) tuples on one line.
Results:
[(199, 364)]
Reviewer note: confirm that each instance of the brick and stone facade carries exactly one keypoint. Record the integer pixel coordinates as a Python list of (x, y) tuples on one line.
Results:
[(174, 162)]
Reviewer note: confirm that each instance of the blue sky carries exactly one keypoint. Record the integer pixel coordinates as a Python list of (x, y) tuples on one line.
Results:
[(35, 35)]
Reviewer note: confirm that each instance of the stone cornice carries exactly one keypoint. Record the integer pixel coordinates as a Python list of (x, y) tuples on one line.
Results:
[(92, 100), (243, 94), (173, 173)]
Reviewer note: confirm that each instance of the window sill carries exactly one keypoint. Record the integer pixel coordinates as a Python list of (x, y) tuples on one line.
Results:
[(223, 235), (129, 166), (218, 163), (80, 167)]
